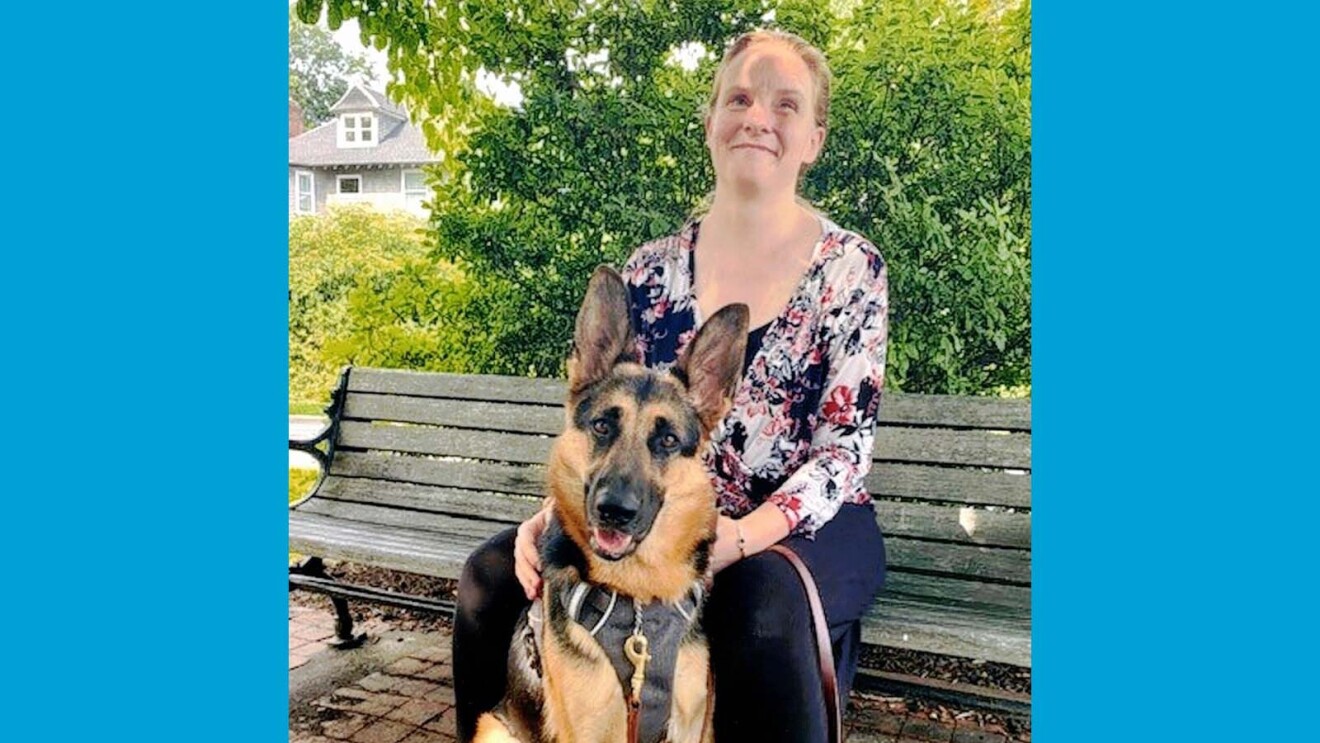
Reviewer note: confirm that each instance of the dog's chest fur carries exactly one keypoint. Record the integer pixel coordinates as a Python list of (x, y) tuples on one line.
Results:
[(609, 619)]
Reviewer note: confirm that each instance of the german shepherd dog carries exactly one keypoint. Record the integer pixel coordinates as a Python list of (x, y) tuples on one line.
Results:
[(613, 650)]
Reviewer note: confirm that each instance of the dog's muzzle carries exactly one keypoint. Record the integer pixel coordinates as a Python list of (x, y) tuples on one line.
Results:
[(614, 506)]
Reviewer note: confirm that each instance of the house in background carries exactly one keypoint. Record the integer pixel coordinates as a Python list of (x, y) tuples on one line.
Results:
[(368, 153)]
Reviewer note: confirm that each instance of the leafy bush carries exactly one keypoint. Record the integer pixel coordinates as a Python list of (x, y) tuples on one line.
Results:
[(425, 315), (330, 255), (363, 290)]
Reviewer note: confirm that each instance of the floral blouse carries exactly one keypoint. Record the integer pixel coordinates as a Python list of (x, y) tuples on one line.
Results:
[(802, 425)]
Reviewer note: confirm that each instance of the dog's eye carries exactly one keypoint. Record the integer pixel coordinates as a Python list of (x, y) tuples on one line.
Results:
[(601, 427), (669, 441)]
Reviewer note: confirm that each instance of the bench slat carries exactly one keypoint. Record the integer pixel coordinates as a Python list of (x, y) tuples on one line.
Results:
[(501, 478), (392, 520), (947, 484), (900, 585), (492, 416), (1002, 638), (892, 444), (928, 410), (947, 447), (423, 553), (998, 563), (954, 411), (896, 519), (490, 388), (954, 524), (501, 507), (447, 442)]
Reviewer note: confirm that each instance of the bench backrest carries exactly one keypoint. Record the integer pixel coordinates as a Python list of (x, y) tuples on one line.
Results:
[(951, 475)]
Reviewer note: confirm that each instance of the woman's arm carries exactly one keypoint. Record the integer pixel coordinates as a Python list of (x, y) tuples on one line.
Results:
[(845, 423), (858, 328)]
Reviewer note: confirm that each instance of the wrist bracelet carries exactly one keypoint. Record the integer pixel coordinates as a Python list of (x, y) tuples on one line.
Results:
[(742, 541)]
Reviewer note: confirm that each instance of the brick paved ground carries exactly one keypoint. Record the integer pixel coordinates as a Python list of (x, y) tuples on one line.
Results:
[(410, 699)]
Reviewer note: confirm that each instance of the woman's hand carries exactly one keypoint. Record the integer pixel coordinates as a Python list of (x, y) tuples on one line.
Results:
[(761, 528), (724, 552), (527, 555)]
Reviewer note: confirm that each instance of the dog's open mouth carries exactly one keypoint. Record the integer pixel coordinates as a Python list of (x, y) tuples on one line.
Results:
[(610, 543)]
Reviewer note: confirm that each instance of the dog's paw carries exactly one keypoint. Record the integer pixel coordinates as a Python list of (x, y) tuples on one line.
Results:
[(491, 730)]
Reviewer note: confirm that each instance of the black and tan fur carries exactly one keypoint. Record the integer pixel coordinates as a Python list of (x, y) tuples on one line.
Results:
[(626, 464)]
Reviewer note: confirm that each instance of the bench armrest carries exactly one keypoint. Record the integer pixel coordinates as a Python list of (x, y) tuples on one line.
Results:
[(321, 457), (305, 444), (312, 447)]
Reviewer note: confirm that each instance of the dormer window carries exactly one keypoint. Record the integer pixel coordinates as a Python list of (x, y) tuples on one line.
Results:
[(357, 130)]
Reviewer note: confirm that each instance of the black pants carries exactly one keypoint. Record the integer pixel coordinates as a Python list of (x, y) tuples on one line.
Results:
[(767, 681)]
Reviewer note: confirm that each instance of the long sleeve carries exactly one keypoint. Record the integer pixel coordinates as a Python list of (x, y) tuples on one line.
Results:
[(856, 328)]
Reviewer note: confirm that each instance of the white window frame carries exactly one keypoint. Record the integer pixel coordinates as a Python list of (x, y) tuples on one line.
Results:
[(424, 191), (297, 192), (356, 128), (339, 184)]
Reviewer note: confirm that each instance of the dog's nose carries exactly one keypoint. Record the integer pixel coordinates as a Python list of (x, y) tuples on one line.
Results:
[(614, 513), (617, 502)]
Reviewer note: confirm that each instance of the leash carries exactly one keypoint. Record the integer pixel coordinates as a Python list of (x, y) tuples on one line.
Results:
[(825, 654), (635, 648)]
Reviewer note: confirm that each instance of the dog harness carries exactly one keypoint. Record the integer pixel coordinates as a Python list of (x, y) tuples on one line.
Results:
[(641, 643)]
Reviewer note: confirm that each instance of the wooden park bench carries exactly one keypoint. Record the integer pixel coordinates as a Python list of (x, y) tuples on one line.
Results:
[(420, 468)]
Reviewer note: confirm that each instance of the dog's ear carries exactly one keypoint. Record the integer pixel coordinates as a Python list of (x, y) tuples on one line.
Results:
[(603, 335), (712, 363)]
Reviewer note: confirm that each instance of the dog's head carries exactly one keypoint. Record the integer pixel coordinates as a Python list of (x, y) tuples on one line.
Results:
[(627, 465)]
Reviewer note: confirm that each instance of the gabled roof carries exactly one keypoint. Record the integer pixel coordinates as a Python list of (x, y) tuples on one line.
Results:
[(400, 142), (361, 98)]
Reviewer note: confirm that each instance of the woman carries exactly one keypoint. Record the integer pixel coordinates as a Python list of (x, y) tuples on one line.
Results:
[(788, 461)]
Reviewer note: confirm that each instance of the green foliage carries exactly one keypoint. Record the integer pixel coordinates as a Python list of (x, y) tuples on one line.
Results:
[(319, 69), (300, 482), (424, 315), (363, 290), (928, 155), (329, 256), (968, 330)]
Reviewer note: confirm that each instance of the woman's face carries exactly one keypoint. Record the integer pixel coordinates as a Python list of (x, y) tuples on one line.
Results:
[(762, 128)]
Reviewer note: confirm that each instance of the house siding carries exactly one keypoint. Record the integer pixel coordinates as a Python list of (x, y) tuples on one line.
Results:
[(325, 185), (381, 187), (383, 180)]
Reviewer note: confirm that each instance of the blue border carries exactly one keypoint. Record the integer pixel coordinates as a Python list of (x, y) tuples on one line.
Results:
[(1174, 162), (145, 303), (1174, 393)]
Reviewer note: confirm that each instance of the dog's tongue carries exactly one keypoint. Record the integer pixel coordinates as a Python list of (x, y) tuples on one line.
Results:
[(611, 541)]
